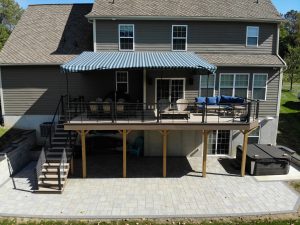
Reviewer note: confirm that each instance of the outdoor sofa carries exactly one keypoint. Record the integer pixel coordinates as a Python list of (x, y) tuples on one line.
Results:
[(223, 103)]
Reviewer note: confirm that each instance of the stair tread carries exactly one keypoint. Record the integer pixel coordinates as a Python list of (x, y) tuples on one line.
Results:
[(51, 170), (51, 182), (52, 176), (53, 164), (48, 190)]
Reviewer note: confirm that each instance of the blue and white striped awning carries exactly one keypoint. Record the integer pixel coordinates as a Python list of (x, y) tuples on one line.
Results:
[(88, 61)]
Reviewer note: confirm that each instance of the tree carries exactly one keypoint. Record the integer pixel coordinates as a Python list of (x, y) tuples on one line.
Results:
[(10, 13), (293, 65), (289, 32), (4, 34)]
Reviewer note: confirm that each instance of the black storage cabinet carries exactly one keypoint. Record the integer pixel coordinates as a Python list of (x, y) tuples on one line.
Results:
[(265, 160)]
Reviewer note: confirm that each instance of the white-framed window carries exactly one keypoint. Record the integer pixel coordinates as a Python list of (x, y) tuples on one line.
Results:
[(252, 36), (126, 37), (234, 84), (254, 136), (169, 88), (219, 142), (259, 86), (179, 37), (122, 84), (207, 85)]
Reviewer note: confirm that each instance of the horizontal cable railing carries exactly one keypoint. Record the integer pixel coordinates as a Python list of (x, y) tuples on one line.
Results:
[(162, 112)]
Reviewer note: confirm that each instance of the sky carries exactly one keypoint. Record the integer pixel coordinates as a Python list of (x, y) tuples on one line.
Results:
[(283, 6)]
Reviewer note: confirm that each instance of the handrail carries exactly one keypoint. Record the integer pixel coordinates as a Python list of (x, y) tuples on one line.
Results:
[(157, 112), (39, 166), (56, 114), (61, 169)]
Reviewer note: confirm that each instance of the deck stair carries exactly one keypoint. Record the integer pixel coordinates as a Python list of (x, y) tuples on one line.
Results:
[(56, 160)]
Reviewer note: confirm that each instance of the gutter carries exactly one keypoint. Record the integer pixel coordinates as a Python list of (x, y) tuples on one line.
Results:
[(198, 18), (247, 65), (32, 64)]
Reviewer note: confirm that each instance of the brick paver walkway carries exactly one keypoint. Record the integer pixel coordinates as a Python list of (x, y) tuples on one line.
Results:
[(189, 195)]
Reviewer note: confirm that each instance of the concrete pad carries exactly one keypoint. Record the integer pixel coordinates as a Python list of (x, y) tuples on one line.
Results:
[(294, 174)]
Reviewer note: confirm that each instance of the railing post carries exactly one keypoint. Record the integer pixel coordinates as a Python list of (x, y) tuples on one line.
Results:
[(59, 178), (203, 112), (143, 108), (62, 106), (249, 112), (157, 112), (257, 109)]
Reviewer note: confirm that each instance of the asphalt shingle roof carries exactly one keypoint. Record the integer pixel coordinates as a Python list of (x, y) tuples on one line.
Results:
[(222, 9), (246, 60), (49, 34)]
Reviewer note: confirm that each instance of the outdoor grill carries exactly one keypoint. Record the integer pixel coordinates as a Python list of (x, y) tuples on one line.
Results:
[(265, 160)]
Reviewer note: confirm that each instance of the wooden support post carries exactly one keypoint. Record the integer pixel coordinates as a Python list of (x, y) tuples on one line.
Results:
[(83, 152), (72, 165), (205, 150), (124, 152), (244, 156), (165, 135)]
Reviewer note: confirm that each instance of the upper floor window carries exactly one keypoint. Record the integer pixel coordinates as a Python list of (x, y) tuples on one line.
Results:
[(252, 36), (179, 37), (126, 37), (122, 82), (234, 85), (259, 86)]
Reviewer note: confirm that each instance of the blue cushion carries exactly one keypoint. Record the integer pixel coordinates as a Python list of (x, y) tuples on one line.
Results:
[(212, 100), (226, 99), (237, 100), (200, 100)]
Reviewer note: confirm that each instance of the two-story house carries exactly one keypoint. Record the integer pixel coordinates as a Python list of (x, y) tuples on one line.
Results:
[(163, 69)]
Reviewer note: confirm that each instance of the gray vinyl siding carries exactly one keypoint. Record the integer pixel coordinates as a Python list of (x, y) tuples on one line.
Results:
[(203, 37), (268, 107), (29, 90)]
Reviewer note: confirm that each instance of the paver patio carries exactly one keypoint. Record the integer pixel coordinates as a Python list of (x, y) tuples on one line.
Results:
[(188, 195)]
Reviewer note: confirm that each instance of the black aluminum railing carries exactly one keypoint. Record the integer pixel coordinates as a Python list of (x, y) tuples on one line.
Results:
[(124, 112)]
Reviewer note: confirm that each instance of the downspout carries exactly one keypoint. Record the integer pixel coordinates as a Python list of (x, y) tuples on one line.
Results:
[(281, 72), (1, 95)]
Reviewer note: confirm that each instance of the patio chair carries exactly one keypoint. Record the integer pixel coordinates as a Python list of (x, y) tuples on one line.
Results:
[(107, 105), (120, 105), (92, 109)]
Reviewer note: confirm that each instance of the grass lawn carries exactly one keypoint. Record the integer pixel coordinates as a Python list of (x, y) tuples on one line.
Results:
[(2, 131), (289, 120), (148, 222)]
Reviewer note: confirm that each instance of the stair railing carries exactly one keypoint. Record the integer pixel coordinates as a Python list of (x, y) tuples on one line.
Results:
[(60, 110), (61, 169), (39, 165)]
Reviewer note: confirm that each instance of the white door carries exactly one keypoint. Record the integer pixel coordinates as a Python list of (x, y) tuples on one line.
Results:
[(219, 142)]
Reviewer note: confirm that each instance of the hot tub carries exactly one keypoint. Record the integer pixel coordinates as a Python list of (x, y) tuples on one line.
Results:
[(265, 160)]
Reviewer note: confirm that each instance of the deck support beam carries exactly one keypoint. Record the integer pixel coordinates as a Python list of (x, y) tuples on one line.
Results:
[(165, 143), (83, 152), (205, 150), (124, 133), (244, 154)]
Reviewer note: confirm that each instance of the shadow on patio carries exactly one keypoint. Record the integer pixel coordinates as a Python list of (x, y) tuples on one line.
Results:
[(101, 165)]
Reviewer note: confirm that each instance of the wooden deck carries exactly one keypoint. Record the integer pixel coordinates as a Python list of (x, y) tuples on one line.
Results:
[(212, 122)]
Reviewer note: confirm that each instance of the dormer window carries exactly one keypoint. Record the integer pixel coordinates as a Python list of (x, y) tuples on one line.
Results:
[(252, 36), (126, 37), (179, 37)]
